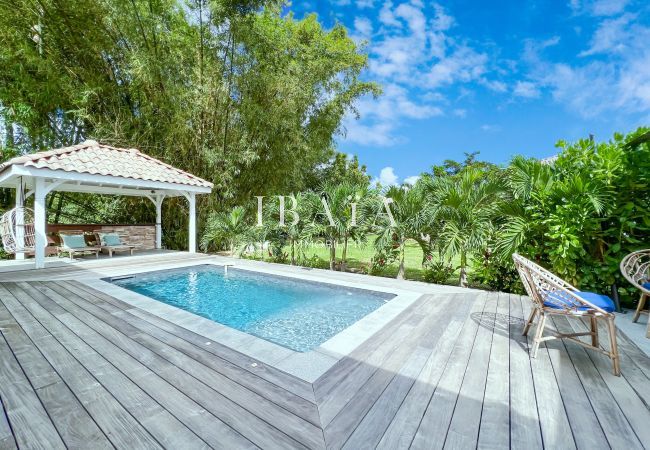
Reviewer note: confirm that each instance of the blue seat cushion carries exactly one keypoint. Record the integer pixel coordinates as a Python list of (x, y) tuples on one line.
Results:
[(646, 285), (112, 240), (73, 240), (599, 300)]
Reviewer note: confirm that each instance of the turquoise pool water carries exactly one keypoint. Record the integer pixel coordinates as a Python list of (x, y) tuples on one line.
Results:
[(296, 314)]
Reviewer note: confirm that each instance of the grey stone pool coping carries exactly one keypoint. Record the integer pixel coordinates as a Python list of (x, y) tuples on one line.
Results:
[(307, 366)]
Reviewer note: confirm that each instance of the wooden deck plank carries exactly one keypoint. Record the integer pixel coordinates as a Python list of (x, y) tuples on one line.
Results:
[(631, 363), (7, 440), (190, 403), (115, 403), (264, 371), (373, 425), (525, 431), (464, 427), (31, 425), (583, 421), (426, 380), (361, 367), (100, 333), (226, 372), (494, 430), (434, 424), (400, 432), (556, 431), (72, 421), (350, 371), (632, 407)]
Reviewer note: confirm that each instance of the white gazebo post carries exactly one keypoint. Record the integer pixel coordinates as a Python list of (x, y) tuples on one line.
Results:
[(158, 202), (39, 222), (20, 219), (192, 240)]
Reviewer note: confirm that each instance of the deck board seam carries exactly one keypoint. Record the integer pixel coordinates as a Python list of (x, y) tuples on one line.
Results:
[(6, 417), (489, 358)]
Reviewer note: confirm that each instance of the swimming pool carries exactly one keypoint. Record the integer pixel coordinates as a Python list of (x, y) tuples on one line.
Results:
[(294, 313)]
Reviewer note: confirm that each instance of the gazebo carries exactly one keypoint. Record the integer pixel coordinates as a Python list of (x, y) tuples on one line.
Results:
[(91, 167)]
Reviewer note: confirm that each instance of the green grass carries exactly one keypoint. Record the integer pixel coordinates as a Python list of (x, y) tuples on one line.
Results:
[(359, 257)]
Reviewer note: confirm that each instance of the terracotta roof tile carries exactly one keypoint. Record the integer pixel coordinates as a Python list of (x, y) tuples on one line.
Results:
[(93, 158)]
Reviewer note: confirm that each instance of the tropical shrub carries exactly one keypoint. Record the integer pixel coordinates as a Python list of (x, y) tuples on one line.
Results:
[(438, 271)]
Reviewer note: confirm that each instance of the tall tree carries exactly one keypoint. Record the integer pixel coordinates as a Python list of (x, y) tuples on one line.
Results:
[(233, 91)]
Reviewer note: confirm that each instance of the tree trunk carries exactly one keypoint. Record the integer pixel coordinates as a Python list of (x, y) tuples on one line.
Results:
[(332, 255), (344, 255), (463, 270), (293, 252), (401, 271)]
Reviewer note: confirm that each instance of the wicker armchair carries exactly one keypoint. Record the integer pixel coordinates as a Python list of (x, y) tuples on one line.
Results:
[(635, 267), (553, 296)]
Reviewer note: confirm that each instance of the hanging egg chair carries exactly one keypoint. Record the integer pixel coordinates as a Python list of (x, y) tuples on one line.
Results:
[(17, 229)]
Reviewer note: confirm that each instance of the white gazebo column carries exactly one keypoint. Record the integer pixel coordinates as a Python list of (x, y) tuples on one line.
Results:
[(39, 222), (158, 202), (20, 219), (192, 238)]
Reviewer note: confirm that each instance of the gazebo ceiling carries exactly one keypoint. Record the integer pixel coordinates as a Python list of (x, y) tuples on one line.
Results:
[(98, 168)]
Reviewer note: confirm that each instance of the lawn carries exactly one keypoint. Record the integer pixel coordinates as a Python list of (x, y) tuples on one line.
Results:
[(359, 257)]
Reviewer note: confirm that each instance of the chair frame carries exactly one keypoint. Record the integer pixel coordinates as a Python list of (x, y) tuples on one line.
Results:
[(635, 267), (543, 286)]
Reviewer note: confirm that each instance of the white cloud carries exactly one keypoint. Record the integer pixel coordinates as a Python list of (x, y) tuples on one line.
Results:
[(379, 134), (363, 27), (387, 177), (459, 112), (495, 85), (615, 36), (416, 58), (612, 75), (361, 4), (608, 7), (526, 89), (386, 15), (464, 65), (598, 7), (411, 180), (441, 21), (490, 128)]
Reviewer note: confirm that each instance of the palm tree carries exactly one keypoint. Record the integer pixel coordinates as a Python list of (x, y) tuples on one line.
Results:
[(227, 230), (345, 225), (463, 209), (410, 220), (300, 234)]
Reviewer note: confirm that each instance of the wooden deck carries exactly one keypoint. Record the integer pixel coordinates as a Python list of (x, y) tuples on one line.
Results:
[(81, 369)]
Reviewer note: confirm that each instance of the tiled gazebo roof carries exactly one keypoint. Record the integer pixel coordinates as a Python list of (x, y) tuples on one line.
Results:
[(91, 157)]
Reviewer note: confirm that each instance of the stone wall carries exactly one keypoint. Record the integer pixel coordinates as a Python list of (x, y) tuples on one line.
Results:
[(144, 236)]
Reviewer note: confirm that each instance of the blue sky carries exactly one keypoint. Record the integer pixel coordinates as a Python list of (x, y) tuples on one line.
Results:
[(499, 77)]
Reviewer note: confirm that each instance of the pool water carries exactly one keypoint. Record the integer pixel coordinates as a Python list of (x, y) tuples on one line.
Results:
[(296, 314)]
